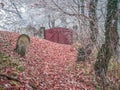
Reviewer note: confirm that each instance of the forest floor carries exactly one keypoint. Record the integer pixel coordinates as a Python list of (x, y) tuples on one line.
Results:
[(46, 66)]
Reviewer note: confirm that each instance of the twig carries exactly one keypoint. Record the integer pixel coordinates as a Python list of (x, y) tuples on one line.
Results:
[(10, 78)]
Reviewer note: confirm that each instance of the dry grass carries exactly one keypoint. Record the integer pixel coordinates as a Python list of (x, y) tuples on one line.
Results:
[(113, 74)]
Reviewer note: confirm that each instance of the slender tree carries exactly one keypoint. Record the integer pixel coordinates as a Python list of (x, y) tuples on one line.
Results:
[(93, 19), (111, 40)]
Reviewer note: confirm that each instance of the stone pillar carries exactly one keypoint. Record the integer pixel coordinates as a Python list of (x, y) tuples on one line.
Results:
[(42, 32)]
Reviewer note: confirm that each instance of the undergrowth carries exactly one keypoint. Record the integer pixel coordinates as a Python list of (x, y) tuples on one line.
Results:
[(113, 75), (9, 62)]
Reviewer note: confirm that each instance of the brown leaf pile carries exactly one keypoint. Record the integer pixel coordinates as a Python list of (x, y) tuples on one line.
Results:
[(48, 65)]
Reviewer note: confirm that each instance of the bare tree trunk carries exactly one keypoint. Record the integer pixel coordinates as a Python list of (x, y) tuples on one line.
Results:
[(82, 7), (111, 41), (93, 20), (51, 21)]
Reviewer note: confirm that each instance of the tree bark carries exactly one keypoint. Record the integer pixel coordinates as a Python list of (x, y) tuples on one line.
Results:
[(93, 20), (111, 40)]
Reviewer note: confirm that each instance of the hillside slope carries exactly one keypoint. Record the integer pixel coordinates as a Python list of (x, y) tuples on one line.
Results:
[(46, 66)]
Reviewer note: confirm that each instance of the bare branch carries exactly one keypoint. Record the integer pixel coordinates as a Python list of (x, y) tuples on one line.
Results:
[(67, 13), (10, 78), (18, 13), (9, 10)]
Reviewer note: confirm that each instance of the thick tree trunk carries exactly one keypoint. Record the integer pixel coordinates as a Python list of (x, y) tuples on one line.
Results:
[(111, 40)]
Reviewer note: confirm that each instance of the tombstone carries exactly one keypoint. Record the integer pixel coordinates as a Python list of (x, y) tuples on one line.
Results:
[(42, 32), (81, 54), (22, 44), (75, 34)]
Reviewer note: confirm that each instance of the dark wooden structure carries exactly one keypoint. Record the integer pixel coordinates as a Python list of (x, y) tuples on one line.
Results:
[(59, 35)]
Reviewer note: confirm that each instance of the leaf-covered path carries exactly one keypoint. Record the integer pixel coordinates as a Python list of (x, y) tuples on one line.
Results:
[(47, 66)]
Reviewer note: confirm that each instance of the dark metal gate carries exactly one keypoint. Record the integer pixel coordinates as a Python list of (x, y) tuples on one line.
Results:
[(59, 35)]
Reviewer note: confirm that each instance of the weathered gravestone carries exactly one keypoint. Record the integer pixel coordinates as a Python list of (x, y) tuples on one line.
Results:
[(22, 44)]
